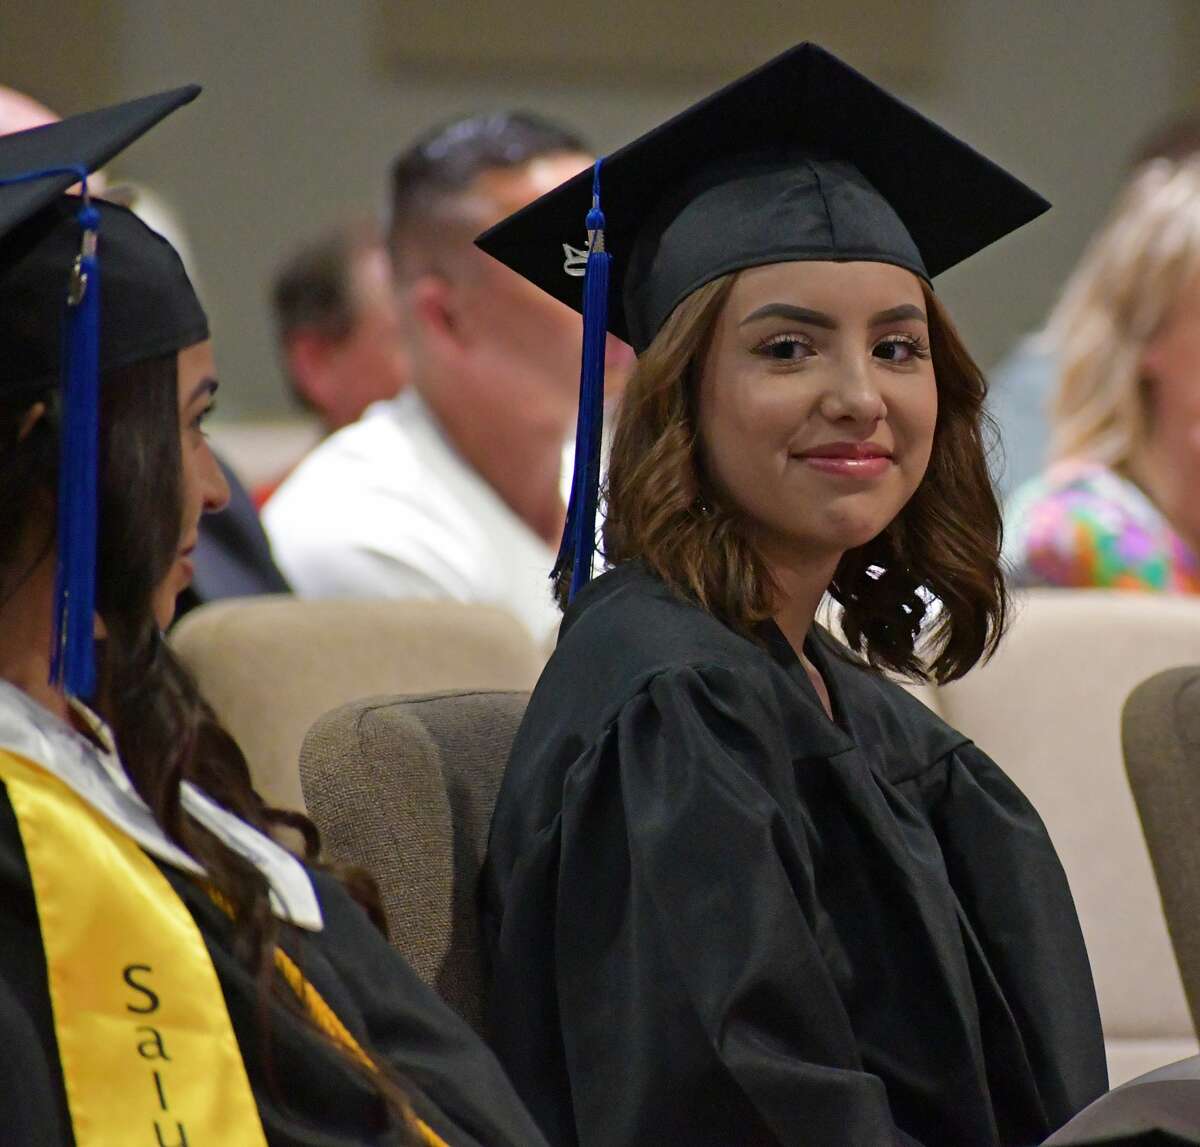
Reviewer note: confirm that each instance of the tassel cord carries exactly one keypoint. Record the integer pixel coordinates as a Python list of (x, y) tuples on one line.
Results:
[(72, 656), (579, 535), (73, 660)]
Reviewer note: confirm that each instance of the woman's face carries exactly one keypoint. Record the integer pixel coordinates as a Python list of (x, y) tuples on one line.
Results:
[(204, 486), (1171, 461), (818, 403)]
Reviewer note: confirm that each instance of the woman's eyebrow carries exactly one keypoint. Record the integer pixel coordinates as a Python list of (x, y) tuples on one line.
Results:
[(896, 314), (828, 322), (797, 314), (205, 385)]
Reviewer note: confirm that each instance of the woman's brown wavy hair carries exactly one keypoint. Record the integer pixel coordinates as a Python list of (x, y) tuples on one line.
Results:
[(945, 543)]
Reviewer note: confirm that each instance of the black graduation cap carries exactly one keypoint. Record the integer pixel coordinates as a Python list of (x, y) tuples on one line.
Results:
[(147, 305), (802, 159), (62, 320), (39, 164)]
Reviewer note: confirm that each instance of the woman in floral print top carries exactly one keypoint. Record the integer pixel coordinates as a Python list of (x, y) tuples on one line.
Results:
[(1119, 507)]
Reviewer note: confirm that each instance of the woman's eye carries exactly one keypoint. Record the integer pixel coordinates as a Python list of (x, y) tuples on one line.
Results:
[(901, 349), (785, 348), (201, 418)]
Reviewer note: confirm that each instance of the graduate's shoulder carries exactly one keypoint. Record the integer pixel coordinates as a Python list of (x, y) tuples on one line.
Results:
[(625, 639), (631, 619)]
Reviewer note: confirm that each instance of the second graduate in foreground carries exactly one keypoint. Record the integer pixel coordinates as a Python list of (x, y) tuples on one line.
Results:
[(742, 888), (168, 972)]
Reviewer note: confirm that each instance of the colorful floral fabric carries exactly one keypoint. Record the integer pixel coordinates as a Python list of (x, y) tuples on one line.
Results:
[(1081, 524)]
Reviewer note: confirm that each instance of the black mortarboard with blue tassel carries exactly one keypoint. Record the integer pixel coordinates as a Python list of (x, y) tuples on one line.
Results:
[(58, 324), (801, 159)]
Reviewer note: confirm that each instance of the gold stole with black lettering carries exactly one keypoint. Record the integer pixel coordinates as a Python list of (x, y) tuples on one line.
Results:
[(147, 1048)]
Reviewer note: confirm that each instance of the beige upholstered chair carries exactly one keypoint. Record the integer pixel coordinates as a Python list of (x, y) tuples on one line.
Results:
[(404, 787), (1161, 733), (272, 666), (1047, 708)]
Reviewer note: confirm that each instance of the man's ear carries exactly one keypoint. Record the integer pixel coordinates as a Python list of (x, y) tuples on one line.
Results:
[(307, 354), (433, 306)]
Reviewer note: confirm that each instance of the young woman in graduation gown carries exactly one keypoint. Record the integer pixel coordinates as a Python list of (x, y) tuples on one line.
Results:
[(168, 974), (742, 887)]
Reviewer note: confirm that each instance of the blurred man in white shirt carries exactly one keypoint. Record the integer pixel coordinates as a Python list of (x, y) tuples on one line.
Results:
[(454, 488)]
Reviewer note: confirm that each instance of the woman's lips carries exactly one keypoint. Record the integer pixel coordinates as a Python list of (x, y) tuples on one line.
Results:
[(871, 467), (848, 459), (184, 563)]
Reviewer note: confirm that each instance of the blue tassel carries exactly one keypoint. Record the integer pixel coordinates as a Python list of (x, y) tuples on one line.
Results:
[(579, 535), (73, 656)]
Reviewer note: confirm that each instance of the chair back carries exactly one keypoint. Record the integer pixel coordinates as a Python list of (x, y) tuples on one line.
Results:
[(1160, 729), (270, 666), (1047, 708), (404, 787)]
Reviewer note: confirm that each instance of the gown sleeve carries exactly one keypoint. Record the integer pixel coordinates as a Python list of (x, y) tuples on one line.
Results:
[(32, 1098), (993, 841), (30, 1107), (422, 1038), (684, 904)]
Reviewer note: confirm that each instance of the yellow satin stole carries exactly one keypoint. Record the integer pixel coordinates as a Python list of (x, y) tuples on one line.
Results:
[(147, 1048)]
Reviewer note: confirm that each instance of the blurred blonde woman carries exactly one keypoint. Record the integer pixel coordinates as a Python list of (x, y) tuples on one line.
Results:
[(1117, 507)]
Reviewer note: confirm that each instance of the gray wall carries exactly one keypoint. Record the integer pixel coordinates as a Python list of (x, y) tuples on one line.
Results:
[(303, 111)]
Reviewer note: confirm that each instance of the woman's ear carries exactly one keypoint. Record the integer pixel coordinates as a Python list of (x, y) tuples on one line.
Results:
[(32, 417)]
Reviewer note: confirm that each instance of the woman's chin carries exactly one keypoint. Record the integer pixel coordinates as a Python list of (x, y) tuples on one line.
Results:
[(838, 526), (166, 599), (851, 533)]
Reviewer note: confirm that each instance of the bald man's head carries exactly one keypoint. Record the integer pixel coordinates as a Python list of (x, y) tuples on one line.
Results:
[(19, 112)]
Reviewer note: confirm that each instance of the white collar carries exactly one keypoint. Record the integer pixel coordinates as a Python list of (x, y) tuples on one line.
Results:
[(95, 774)]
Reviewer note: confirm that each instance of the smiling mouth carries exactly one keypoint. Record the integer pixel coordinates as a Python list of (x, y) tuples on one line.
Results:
[(847, 460)]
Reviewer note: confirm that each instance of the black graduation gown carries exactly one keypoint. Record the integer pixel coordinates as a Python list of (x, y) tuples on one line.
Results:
[(313, 1099), (717, 917)]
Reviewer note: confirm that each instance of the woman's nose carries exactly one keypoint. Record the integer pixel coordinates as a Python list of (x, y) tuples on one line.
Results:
[(216, 487), (854, 396)]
